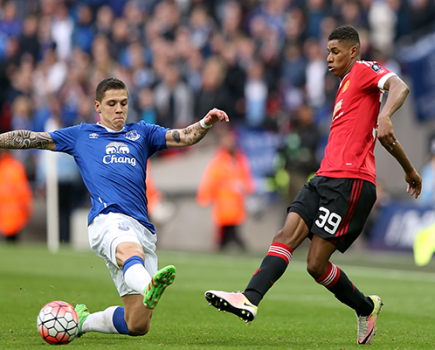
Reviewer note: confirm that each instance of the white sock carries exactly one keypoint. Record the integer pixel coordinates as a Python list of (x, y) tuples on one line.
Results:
[(137, 278), (101, 322)]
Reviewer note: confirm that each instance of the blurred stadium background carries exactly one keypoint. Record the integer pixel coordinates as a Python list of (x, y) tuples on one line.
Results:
[(262, 61)]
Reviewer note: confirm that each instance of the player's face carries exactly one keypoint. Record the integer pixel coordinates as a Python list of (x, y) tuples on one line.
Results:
[(341, 57), (113, 109)]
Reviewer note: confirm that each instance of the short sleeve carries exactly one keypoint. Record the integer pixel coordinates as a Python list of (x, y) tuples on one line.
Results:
[(155, 136), (65, 139), (373, 76)]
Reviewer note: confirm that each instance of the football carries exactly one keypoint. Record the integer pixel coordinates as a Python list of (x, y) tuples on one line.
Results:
[(58, 323)]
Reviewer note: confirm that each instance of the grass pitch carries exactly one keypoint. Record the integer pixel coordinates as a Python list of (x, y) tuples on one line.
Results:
[(296, 313)]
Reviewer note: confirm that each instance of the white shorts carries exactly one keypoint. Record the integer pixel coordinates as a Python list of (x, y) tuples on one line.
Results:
[(106, 231)]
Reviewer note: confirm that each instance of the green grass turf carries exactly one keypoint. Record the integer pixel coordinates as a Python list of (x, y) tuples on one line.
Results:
[(296, 313)]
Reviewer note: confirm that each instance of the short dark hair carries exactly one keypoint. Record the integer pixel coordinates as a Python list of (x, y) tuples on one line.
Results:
[(108, 84), (345, 33)]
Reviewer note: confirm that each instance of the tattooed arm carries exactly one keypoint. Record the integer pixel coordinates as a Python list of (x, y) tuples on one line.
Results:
[(24, 139), (195, 132)]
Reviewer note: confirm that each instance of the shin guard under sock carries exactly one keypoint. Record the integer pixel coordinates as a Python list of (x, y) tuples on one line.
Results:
[(271, 269), (336, 281)]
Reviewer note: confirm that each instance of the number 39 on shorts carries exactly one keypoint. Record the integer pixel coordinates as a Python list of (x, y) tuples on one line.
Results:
[(328, 221)]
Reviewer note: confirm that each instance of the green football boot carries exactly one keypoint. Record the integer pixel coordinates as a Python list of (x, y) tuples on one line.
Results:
[(157, 286), (83, 313)]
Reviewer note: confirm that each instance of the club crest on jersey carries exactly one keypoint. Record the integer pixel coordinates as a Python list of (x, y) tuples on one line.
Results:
[(345, 86), (115, 153), (377, 68), (132, 135), (93, 136)]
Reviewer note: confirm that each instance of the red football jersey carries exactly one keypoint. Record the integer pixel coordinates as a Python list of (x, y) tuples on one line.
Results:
[(353, 131)]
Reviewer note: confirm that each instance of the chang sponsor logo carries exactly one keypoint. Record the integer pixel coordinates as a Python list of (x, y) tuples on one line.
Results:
[(115, 153)]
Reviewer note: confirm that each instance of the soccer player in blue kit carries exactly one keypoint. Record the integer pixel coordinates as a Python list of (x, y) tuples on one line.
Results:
[(112, 158)]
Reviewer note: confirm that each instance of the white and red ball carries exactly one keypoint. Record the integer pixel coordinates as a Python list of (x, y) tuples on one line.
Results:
[(58, 323)]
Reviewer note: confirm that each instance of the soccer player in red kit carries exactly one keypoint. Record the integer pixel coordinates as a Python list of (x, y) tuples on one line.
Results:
[(332, 208)]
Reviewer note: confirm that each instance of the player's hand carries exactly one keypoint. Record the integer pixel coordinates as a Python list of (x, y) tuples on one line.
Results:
[(414, 183), (215, 115), (386, 133)]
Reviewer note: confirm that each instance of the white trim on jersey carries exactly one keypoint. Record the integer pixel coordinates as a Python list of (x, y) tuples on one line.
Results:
[(364, 62), (384, 79), (108, 129)]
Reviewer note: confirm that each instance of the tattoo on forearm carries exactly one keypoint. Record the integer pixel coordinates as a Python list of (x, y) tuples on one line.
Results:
[(24, 139), (194, 133), (176, 136), (188, 136)]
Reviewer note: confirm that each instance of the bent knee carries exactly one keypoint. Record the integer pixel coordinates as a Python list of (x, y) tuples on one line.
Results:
[(316, 268)]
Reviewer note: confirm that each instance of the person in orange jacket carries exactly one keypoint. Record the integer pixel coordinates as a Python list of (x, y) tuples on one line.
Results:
[(16, 198), (225, 182), (154, 196), (159, 209)]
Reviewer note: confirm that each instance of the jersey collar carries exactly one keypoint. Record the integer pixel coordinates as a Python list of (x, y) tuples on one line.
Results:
[(108, 129)]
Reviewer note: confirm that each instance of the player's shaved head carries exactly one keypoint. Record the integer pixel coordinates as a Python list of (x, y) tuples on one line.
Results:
[(345, 34), (108, 84)]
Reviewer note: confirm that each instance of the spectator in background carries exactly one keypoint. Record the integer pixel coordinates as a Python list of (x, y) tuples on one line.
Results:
[(16, 198), (104, 21), (62, 27), (225, 183), (120, 38), (296, 26), (22, 119), (50, 74), (28, 39), (301, 147), (352, 14), (315, 74), (234, 83), (174, 100), (382, 19), (193, 70), (22, 113), (232, 20), (134, 15), (212, 92), (147, 109), (10, 25), (256, 93), (83, 33), (293, 66), (315, 12), (201, 26), (102, 63), (402, 27), (421, 17)]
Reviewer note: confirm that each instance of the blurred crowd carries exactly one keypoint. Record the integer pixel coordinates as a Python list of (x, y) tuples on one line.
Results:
[(262, 61)]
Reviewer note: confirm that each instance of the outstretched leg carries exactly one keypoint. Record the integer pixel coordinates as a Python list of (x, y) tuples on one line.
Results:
[(134, 317), (271, 269)]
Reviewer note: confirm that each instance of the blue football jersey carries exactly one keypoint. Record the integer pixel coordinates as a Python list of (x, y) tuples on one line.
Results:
[(113, 164)]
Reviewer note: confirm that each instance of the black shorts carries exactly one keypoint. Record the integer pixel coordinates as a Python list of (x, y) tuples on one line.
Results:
[(335, 209)]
